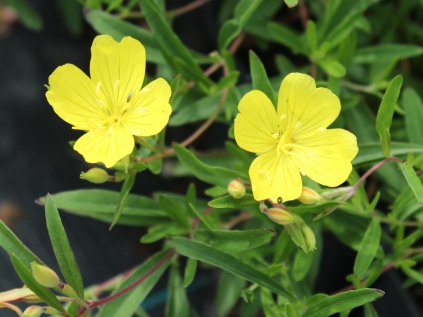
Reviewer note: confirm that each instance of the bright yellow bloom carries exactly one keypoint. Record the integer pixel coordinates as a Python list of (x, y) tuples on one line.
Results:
[(293, 140), (110, 106)]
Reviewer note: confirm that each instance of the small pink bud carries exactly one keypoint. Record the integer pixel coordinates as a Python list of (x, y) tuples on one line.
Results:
[(236, 189)]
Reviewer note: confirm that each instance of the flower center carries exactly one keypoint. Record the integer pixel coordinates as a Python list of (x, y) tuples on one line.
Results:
[(285, 144)]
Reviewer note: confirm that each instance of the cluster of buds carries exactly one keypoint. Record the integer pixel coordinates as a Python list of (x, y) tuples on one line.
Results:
[(300, 233)]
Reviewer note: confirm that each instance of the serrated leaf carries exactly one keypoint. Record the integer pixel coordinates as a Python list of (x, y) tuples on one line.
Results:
[(100, 204), (215, 175), (342, 302), (368, 248), (212, 256), (233, 241), (26, 277), (62, 249), (386, 112), (147, 275), (259, 77)]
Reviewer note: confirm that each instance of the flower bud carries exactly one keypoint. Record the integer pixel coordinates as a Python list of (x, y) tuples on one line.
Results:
[(95, 175), (44, 275), (236, 189), (280, 216), (33, 311), (337, 193), (301, 235), (309, 196), (309, 238)]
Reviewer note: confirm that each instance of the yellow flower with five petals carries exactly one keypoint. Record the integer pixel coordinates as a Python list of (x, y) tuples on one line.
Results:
[(293, 140), (110, 104)]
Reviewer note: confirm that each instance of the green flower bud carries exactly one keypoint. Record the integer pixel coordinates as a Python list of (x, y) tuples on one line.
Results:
[(33, 311), (309, 238), (337, 193), (301, 234), (309, 196), (280, 216), (236, 189), (44, 275), (95, 175)]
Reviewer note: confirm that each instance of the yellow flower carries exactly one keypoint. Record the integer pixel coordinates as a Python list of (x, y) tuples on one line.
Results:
[(110, 106), (293, 140)]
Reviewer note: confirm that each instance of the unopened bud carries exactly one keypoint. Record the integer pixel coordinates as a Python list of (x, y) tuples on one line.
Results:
[(44, 275), (33, 311), (310, 196), (236, 189), (337, 193), (301, 235), (95, 175), (310, 239), (280, 216)]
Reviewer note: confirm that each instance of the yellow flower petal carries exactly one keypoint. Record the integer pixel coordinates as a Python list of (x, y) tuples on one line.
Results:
[(304, 108), (256, 125), (326, 156), (150, 109), (273, 177), (72, 96), (105, 144), (117, 69)]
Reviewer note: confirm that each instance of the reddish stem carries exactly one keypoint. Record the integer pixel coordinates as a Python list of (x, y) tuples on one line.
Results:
[(110, 298)]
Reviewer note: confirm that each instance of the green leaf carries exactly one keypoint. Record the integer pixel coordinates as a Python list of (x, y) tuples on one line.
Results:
[(12, 245), (190, 270), (259, 77), (27, 15), (207, 254), (203, 217), (71, 12), (230, 202), (368, 248), (372, 152), (342, 302), (333, 68), (386, 53), (62, 249), (229, 30), (215, 175), (234, 241), (146, 275), (100, 204), (124, 192), (174, 210), (170, 44), (163, 230), (177, 303), (369, 311), (302, 265), (413, 107), (26, 277), (285, 36), (412, 180), (311, 35), (386, 112), (228, 292)]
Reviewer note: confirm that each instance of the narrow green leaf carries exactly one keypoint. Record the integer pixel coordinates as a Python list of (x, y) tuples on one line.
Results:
[(230, 202), (177, 302), (370, 311), (71, 12), (146, 275), (386, 53), (386, 112), (228, 292), (245, 9), (368, 248), (233, 241), (163, 230), (12, 245), (27, 15), (62, 249), (190, 270), (26, 277), (124, 192), (302, 265), (203, 217), (372, 152), (285, 36), (170, 44), (212, 256), (229, 30), (413, 107), (259, 77), (415, 275), (101, 204), (333, 68), (174, 210), (412, 180), (342, 302), (215, 175)]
